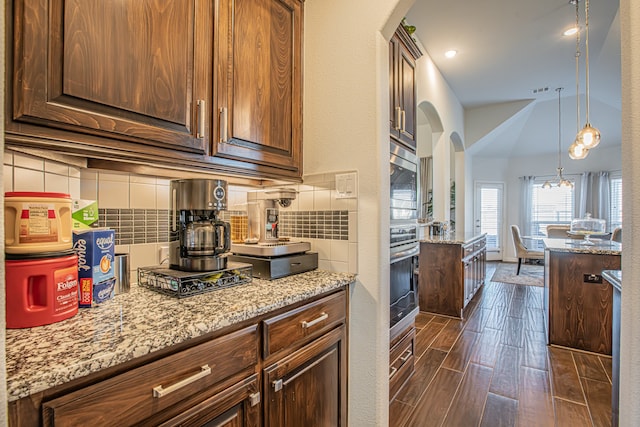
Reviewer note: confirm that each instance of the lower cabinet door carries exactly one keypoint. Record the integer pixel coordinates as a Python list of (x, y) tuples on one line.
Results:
[(308, 387), (237, 406)]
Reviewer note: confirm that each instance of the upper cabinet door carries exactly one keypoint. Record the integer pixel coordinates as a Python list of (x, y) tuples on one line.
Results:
[(258, 64), (134, 70)]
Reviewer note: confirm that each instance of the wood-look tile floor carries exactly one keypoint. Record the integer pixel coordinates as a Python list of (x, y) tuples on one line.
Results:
[(494, 369)]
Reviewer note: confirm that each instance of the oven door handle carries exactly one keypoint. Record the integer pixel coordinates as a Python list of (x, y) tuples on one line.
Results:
[(403, 252)]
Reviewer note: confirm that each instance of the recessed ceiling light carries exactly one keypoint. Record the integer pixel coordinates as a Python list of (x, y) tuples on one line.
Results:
[(450, 53), (571, 31)]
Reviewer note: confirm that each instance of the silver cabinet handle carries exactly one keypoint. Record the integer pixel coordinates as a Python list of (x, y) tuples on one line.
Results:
[(403, 120), (159, 391), (393, 372), (406, 355), (201, 119), (223, 124), (306, 325), (277, 385), (254, 399), (398, 114)]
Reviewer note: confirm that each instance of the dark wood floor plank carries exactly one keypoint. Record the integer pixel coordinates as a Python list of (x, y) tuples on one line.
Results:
[(535, 404), (506, 373), (564, 376), (571, 414), (486, 351), (513, 332), (445, 339), (534, 354), (468, 404), (426, 368), (607, 363), (399, 413), (497, 318), (598, 394), (499, 411), (589, 366), (517, 307), (478, 320), (426, 335), (461, 351), (422, 319), (534, 296), (435, 402)]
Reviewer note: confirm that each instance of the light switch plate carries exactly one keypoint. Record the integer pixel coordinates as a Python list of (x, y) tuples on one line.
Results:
[(347, 185)]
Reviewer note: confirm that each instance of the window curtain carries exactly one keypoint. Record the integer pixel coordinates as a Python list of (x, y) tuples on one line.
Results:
[(594, 196), (526, 194)]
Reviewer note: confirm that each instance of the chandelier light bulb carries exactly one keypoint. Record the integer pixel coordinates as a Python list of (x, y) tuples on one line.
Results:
[(577, 151), (589, 137), (565, 183), (546, 185)]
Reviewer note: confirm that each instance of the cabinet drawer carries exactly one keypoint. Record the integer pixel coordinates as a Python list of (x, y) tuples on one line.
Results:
[(467, 250), (306, 322), (136, 395), (401, 362)]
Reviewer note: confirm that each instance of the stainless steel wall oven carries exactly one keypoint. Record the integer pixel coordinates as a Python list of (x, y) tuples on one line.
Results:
[(403, 237)]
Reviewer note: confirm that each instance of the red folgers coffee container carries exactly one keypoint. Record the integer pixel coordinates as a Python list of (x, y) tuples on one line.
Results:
[(41, 291), (37, 222)]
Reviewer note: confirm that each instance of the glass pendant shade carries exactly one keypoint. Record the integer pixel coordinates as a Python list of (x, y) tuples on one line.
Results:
[(546, 185), (565, 183), (577, 151), (589, 137)]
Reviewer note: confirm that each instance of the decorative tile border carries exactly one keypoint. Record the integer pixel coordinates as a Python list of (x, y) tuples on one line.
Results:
[(135, 226)]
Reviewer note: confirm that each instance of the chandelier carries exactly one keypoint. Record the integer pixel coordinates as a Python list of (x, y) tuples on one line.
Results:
[(559, 180)]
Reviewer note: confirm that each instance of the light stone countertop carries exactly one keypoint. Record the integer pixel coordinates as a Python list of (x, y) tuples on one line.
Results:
[(601, 247), (453, 238), (140, 322)]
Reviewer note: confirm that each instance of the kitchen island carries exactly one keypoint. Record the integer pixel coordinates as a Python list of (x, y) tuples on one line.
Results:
[(577, 302), (142, 328), (452, 269)]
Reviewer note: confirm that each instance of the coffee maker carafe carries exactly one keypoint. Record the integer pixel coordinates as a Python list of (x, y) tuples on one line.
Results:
[(197, 238)]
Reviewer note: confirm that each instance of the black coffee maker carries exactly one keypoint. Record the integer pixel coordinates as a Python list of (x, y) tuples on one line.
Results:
[(197, 238)]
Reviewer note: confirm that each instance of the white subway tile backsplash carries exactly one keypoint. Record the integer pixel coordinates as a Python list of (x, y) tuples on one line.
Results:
[(74, 188), (56, 183), (74, 172), (28, 162), (339, 250), (8, 158), (112, 194), (8, 177), (353, 227), (324, 264), (28, 180), (57, 168), (339, 267), (162, 197), (321, 200), (88, 189), (323, 247), (305, 201), (142, 196), (140, 179), (339, 204), (143, 255), (113, 176)]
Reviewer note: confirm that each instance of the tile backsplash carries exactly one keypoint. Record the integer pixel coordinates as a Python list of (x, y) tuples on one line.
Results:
[(137, 207)]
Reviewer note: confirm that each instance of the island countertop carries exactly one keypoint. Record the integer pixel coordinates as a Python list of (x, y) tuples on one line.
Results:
[(453, 238), (140, 322), (601, 247)]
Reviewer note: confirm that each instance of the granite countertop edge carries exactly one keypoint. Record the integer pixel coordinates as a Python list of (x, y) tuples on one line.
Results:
[(575, 246), (141, 322)]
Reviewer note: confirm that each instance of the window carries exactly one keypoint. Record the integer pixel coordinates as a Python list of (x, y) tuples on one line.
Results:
[(615, 194), (550, 206)]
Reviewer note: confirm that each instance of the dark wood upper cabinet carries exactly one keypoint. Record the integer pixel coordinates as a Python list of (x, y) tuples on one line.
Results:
[(259, 82), (135, 70), (403, 53)]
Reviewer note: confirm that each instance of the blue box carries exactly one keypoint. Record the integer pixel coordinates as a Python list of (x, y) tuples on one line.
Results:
[(95, 249)]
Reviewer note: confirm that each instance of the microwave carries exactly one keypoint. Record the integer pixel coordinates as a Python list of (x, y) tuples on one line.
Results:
[(403, 184)]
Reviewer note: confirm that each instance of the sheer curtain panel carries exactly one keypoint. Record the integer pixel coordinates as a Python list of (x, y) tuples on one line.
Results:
[(526, 190), (594, 195)]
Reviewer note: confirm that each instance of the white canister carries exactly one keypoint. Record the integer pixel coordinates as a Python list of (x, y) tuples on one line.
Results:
[(36, 222)]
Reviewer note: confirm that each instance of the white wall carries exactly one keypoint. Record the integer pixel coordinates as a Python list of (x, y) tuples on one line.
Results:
[(508, 170)]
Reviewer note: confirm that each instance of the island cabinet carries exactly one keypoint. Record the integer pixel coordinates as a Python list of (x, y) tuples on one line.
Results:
[(451, 273), (286, 368), (578, 303), (403, 53), (179, 84)]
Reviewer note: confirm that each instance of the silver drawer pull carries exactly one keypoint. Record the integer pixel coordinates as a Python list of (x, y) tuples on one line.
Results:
[(393, 372), (323, 316), (406, 355), (159, 391)]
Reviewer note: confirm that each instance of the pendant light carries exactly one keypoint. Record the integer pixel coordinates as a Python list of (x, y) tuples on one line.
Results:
[(589, 137), (577, 150), (562, 181)]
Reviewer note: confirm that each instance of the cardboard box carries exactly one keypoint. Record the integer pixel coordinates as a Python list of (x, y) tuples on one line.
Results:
[(84, 213), (95, 249), (92, 294)]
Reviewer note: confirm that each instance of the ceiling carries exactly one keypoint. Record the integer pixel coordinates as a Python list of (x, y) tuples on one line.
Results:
[(506, 50)]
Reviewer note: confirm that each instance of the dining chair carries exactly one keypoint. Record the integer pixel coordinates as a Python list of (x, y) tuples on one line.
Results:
[(616, 235), (521, 249), (558, 231)]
